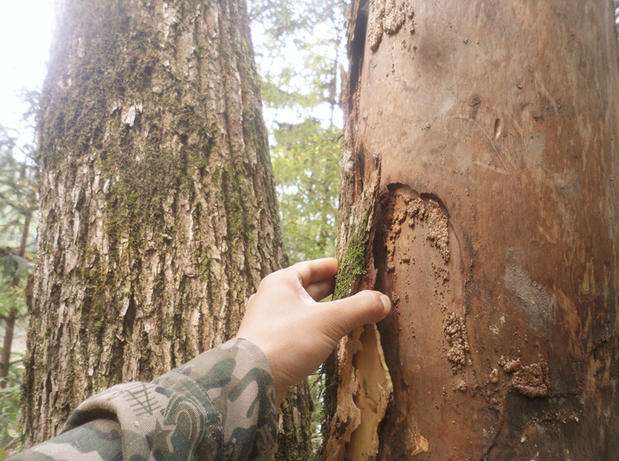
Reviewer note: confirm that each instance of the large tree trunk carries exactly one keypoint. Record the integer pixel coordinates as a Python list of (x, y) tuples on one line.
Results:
[(158, 212), (489, 134)]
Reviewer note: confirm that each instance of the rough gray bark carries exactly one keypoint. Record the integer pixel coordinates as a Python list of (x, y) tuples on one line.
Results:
[(158, 212), (494, 130)]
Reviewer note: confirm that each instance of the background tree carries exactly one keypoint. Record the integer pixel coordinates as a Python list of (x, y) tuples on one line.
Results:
[(480, 193), (14, 271), (18, 203), (158, 212)]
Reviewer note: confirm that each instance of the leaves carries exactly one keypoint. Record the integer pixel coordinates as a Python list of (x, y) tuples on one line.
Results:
[(18, 187), (10, 431), (299, 49), (306, 166)]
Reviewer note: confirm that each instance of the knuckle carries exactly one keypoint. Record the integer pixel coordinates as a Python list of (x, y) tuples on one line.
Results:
[(335, 327), (278, 278), (269, 279), (372, 296), (297, 266), (298, 270), (374, 300), (337, 330)]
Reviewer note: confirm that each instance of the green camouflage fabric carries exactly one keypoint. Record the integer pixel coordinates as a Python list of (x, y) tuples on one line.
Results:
[(219, 406)]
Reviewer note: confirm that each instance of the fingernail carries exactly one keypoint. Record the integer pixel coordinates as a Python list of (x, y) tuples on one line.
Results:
[(386, 303)]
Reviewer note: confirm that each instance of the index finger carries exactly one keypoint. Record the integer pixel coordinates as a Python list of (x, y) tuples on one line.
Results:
[(316, 270)]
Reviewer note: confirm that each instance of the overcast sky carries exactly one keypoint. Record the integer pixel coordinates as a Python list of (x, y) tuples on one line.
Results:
[(25, 35), (26, 28)]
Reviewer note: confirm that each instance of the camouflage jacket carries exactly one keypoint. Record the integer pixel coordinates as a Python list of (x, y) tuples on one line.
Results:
[(219, 406)]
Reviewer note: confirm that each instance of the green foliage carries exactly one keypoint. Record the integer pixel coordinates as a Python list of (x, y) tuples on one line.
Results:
[(299, 49), (10, 431), (306, 165), (18, 205), (18, 187), (279, 97), (14, 272), (13, 276)]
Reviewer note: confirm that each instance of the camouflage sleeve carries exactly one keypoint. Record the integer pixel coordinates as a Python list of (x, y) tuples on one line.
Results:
[(219, 406)]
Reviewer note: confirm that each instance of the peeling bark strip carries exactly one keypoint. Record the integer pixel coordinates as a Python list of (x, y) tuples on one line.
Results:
[(364, 384), (158, 213), (497, 132)]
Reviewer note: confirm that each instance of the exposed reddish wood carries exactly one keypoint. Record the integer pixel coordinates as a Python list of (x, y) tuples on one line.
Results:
[(496, 128)]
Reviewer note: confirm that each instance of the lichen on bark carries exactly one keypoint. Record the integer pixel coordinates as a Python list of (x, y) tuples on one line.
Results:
[(352, 265)]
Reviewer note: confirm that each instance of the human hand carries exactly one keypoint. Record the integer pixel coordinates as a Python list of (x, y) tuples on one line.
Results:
[(294, 331)]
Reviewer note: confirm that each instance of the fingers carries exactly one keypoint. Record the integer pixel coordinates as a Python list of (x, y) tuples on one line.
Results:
[(357, 310), (320, 290), (317, 270)]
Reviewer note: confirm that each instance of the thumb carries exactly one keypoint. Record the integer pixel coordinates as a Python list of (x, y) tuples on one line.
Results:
[(364, 307)]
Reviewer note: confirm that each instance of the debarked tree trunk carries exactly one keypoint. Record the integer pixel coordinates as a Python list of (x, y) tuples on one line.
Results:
[(480, 192)]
